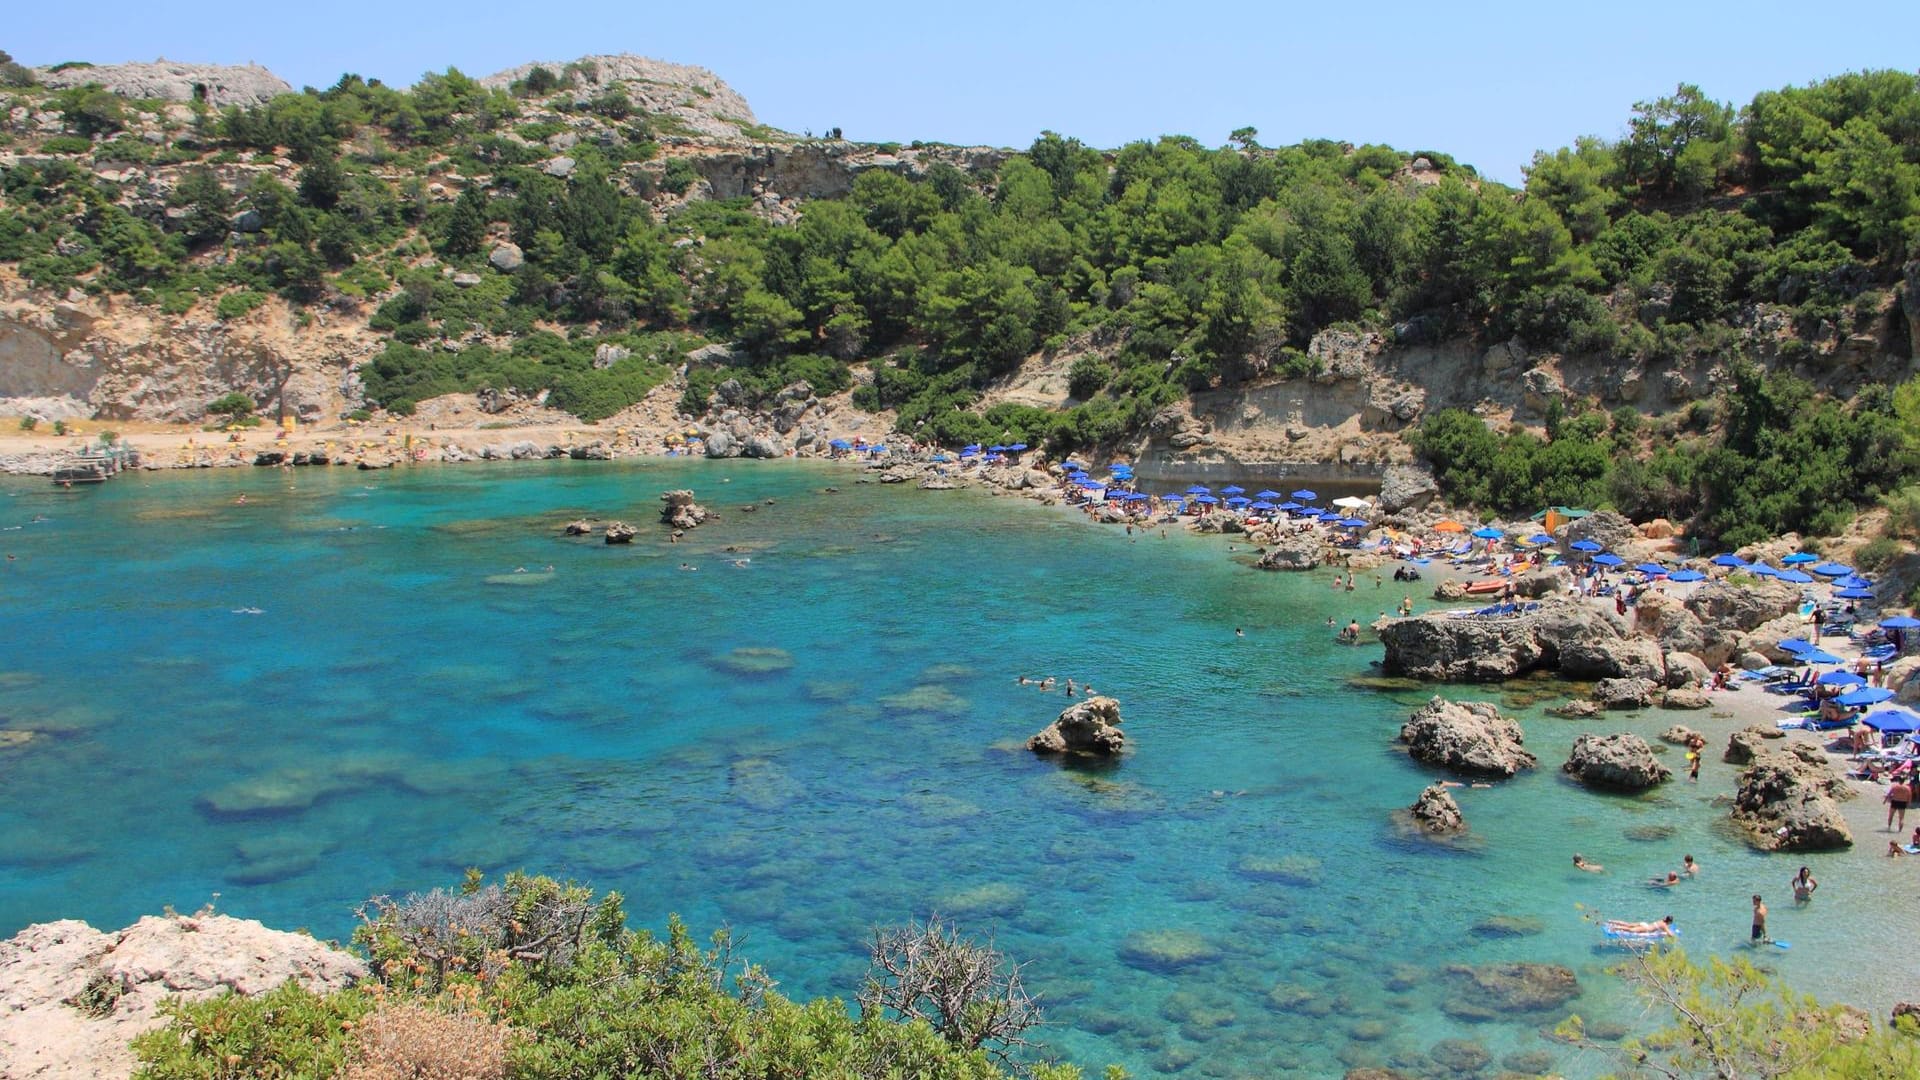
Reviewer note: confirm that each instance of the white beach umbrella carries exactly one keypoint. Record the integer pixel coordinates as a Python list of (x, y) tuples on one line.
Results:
[(1352, 502)]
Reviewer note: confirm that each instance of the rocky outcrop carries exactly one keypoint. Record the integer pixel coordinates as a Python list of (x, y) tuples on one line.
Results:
[(1679, 735), (1606, 528), (1686, 697), (1729, 608), (71, 996), (1090, 727), (1747, 743), (1542, 583), (1293, 552), (1615, 762), (1468, 736), (1788, 800), (680, 510), (694, 96), (578, 528), (1563, 635), (1625, 693), (1406, 487), (619, 532), (1685, 670), (218, 85), (1436, 813)]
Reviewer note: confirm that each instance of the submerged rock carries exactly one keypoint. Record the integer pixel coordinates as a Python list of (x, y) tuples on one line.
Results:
[(1167, 950), (1489, 991), (1088, 727), (1467, 736), (1620, 762)]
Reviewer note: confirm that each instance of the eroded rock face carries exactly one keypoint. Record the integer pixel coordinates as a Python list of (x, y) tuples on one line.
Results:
[(619, 532), (1090, 727), (695, 96), (219, 85), (1406, 487), (1788, 800), (126, 974), (1293, 552), (1625, 693), (680, 511), (1620, 762), (1722, 606), (1468, 736), (1564, 635), (1436, 813)]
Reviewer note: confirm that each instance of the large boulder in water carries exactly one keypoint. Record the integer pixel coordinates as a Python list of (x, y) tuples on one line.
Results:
[(1088, 727), (1436, 813), (1788, 800), (1468, 736), (1747, 743), (1562, 634), (1615, 762), (1625, 693), (1302, 551), (680, 511)]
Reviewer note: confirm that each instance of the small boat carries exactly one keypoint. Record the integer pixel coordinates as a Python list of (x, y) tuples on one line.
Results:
[(1482, 588)]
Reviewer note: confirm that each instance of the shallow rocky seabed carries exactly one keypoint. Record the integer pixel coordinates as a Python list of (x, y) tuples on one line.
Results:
[(825, 740)]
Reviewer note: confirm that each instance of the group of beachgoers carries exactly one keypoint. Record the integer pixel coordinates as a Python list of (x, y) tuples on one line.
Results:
[(1802, 886), (1046, 685)]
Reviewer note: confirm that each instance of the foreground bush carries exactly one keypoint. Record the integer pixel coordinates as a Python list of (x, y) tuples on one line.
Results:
[(534, 978)]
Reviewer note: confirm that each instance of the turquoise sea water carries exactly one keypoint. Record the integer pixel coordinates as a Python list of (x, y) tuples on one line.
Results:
[(404, 706)]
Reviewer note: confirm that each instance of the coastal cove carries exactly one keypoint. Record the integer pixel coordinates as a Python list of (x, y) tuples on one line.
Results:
[(822, 739)]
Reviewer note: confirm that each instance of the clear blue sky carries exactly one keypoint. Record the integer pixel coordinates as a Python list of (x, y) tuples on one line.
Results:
[(1488, 83)]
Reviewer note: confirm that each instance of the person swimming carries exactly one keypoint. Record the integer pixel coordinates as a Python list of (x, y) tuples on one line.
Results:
[(1667, 882), (1580, 863)]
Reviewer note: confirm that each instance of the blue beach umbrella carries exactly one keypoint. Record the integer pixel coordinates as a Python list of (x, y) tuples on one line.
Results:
[(1651, 568), (996, 449), (1018, 446), (1540, 538), (1900, 622), (1072, 466), (1853, 581), (1796, 577), (1818, 656), (1305, 496), (1893, 720), (1854, 594), (1488, 533), (1761, 569), (1729, 560), (1833, 569), (1607, 558), (1799, 557), (1288, 506), (1238, 500), (1267, 495), (1233, 489), (840, 444), (1796, 646), (1839, 678), (1261, 505), (1866, 695), (1686, 575), (1352, 523), (1199, 489), (1586, 545), (1205, 500)]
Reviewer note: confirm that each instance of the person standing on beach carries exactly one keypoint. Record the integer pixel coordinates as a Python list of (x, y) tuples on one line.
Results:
[(1759, 919), (1897, 797)]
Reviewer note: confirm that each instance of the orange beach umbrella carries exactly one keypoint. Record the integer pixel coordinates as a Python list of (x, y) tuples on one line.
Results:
[(1448, 526)]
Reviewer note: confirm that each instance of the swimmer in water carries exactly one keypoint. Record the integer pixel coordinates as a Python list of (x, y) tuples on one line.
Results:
[(1662, 927), (1580, 863)]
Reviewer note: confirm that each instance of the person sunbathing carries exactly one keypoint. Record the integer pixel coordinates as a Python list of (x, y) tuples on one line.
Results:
[(1662, 927)]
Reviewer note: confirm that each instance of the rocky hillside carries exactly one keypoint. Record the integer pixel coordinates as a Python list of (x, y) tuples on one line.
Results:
[(581, 234)]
